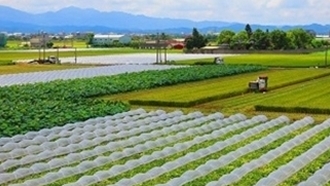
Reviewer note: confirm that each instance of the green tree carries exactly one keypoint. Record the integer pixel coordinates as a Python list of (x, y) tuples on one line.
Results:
[(89, 39), (195, 41), (164, 36), (239, 40), (3, 40), (225, 37), (49, 45), (279, 39), (211, 37), (299, 38), (248, 30), (317, 43), (260, 40)]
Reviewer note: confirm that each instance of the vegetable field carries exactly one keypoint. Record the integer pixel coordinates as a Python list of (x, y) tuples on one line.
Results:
[(35, 106), (79, 131), (170, 148)]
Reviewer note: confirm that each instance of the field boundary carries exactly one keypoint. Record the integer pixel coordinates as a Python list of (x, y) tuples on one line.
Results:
[(304, 110)]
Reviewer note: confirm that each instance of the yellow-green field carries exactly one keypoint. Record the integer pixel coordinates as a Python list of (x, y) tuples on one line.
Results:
[(272, 60), (219, 88), (68, 43)]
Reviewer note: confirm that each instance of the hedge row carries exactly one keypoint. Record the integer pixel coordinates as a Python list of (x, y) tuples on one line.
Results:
[(187, 103), (305, 110)]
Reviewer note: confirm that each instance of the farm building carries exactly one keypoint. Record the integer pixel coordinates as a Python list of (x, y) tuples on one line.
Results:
[(154, 44), (172, 44), (110, 39), (39, 41), (177, 43)]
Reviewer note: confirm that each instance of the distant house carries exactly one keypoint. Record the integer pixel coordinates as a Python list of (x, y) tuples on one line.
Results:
[(39, 41), (172, 44), (177, 43), (110, 39), (153, 44)]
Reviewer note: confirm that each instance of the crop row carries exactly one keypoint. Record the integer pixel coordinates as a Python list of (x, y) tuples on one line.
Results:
[(305, 97), (156, 147), (35, 106)]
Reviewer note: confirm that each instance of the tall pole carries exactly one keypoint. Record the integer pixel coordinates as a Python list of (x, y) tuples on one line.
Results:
[(326, 54), (44, 45), (75, 55), (57, 55), (165, 54), (160, 52), (39, 45), (157, 48), (72, 40)]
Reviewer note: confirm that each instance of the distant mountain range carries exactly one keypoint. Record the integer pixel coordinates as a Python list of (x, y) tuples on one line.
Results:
[(73, 19)]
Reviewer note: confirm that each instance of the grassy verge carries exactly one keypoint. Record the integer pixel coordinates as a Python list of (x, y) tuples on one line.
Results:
[(271, 60), (6, 62)]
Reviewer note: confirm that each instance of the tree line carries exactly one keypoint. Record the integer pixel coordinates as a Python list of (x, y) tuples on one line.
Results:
[(258, 39)]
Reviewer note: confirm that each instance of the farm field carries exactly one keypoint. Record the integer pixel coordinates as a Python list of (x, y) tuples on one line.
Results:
[(58, 133), (78, 44), (308, 97), (215, 89), (272, 60), (142, 147), (25, 68), (33, 105)]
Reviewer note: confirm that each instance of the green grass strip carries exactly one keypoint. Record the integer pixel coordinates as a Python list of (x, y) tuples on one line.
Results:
[(254, 176)]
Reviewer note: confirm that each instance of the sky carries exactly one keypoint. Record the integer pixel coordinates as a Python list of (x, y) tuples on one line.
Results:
[(266, 12)]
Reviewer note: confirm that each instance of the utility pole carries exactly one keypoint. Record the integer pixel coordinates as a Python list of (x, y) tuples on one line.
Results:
[(326, 55), (157, 48), (39, 45), (75, 55), (44, 45)]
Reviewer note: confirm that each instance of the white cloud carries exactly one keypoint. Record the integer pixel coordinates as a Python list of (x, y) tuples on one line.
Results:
[(246, 11)]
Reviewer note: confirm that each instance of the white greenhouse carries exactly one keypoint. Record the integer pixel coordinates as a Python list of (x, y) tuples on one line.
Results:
[(110, 39)]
